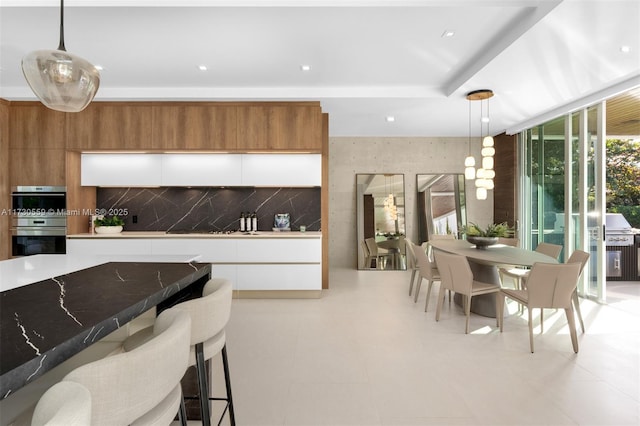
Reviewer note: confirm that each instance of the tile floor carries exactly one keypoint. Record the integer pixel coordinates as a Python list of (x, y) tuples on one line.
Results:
[(365, 354)]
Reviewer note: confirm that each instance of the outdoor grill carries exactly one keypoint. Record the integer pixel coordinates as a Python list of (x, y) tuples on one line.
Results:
[(622, 255)]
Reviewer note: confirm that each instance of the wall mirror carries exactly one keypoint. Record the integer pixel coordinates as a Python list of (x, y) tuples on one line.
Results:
[(380, 221), (441, 204)]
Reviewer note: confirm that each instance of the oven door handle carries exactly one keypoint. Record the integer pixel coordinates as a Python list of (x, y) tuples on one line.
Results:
[(27, 231)]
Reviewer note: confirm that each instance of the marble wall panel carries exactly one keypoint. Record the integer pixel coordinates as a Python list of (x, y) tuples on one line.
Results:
[(210, 209)]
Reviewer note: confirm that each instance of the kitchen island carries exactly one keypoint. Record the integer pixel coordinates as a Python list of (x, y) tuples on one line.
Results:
[(45, 322), (261, 264)]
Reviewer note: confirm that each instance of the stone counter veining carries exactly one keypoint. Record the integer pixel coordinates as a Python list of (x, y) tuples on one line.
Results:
[(44, 323)]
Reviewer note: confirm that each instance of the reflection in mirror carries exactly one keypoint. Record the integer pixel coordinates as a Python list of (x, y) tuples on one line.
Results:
[(441, 205), (380, 221)]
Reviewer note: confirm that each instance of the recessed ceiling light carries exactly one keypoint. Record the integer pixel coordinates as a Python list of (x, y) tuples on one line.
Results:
[(448, 33), (305, 67), (202, 67), (625, 49), (390, 119)]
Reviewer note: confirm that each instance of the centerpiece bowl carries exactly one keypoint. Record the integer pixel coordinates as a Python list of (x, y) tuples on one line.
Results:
[(482, 243)]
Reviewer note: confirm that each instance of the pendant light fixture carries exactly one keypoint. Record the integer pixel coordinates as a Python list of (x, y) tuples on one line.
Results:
[(470, 161), (62, 81), (485, 174)]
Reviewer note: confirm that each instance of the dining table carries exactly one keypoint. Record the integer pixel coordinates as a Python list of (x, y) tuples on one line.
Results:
[(45, 322), (484, 263), (394, 250)]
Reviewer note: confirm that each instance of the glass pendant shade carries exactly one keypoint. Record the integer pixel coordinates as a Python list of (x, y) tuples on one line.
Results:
[(469, 161), (489, 174), (488, 151), (481, 193), (489, 184), (470, 173), (487, 163), (487, 141), (62, 81)]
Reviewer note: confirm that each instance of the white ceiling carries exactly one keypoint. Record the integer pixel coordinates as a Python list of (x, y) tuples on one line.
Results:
[(369, 58)]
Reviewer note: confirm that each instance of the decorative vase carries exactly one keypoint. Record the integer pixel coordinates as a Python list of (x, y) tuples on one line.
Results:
[(108, 229), (482, 242)]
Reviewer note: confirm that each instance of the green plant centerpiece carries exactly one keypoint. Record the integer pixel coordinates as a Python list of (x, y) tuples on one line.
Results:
[(108, 224), (483, 238)]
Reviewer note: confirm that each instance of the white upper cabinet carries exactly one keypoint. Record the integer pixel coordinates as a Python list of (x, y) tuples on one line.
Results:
[(201, 170), (121, 170), (281, 170)]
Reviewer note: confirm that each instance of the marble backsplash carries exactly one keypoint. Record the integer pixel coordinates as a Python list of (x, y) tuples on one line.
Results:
[(210, 209)]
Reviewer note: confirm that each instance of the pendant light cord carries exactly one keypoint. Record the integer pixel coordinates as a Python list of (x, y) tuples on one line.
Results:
[(61, 44), (469, 141)]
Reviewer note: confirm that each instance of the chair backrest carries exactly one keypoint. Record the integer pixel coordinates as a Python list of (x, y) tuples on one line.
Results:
[(455, 272), (442, 237), (551, 250), (65, 403), (211, 312), (551, 285), (425, 266), (127, 385), (372, 246), (513, 242), (410, 249), (579, 256)]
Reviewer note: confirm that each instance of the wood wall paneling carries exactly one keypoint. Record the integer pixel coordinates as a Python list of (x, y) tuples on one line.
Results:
[(5, 185), (197, 127), (81, 200), (280, 127), (505, 191), (34, 126), (106, 125), (37, 166), (324, 200)]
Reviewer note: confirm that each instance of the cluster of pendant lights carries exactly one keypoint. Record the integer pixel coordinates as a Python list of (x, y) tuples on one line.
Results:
[(389, 202), (62, 81), (485, 174)]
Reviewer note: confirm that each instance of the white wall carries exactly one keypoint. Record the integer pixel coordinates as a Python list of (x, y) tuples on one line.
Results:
[(408, 156)]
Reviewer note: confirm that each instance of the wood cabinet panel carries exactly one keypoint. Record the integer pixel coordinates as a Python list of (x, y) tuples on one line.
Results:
[(506, 180), (5, 187), (34, 126), (203, 127), (110, 126), (37, 167), (279, 127)]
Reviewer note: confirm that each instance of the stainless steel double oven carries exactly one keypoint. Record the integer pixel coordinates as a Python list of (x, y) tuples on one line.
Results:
[(38, 220)]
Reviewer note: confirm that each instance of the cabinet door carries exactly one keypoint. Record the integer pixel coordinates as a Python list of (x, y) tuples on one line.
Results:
[(37, 167), (201, 170), (281, 170), (279, 127), (110, 126), (206, 127), (34, 126), (121, 170), (279, 277)]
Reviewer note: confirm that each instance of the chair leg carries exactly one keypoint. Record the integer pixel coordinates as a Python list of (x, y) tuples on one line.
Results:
[(413, 277), (500, 313), (418, 284), (426, 303), (182, 414), (572, 328), (529, 312), (467, 312), (499, 308), (541, 320), (227, 380), (576, 304), (202, 386), (440, 303)]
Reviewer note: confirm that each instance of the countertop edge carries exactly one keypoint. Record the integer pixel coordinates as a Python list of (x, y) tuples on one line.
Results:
[(235, 235)]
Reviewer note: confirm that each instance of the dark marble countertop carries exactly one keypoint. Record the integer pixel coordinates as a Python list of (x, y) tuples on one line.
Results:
[(44, 323)]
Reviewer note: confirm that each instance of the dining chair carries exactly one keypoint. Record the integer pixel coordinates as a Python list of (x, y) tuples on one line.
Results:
[(209, 316), (519, 275), (456, 276), (549, 286), (582, 257), (366, 255), (379, 254), (412, 261), (426, 271), (512, 242), (142, 386), (65, 403)]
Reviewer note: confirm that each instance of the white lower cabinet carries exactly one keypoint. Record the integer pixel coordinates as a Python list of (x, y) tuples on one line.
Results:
[(251, 264)]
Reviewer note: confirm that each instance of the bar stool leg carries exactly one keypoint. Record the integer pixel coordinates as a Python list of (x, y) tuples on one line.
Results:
[(202, 385), (227, 381)]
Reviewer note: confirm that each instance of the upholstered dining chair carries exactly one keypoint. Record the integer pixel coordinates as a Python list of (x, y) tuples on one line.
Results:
[(512, 242), (412, 261), (426, 271), (456, 276), (379, 254), (548, 286), (209, 315), (140, 387), (582, 257), (63, 404), (366, 255), (519, 275)]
